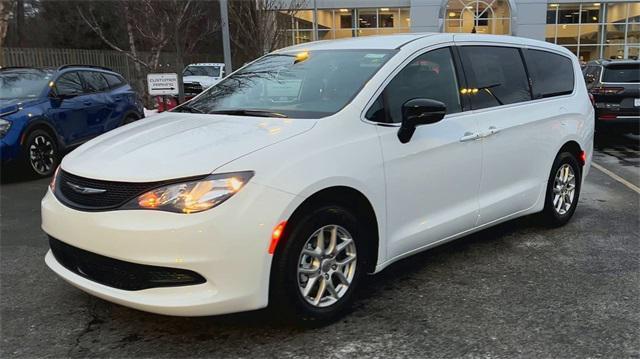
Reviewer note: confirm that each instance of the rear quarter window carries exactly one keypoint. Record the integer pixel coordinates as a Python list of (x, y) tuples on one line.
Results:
[(114, 80), (551, 74)]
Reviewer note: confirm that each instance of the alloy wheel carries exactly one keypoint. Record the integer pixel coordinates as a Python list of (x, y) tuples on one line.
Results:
[(41, 155), (327, 266), (564, 189)]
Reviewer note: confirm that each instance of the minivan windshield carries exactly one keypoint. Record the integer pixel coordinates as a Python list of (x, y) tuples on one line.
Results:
[(23, 83), (621, 73), (304, 84), (211, 71)]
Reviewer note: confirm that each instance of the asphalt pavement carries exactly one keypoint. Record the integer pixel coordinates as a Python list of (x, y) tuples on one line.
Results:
[(516, 290)]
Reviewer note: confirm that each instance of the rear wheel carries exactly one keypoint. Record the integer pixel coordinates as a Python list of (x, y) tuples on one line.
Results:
[(319, 267), (563, 190), (41, 153)]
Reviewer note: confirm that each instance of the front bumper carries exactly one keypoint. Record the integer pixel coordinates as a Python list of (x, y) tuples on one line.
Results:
[(227, 245)]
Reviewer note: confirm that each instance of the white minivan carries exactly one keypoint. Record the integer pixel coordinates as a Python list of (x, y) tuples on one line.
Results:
[(304, 170)]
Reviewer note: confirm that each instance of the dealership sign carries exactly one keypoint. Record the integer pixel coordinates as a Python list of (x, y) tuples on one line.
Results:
[(162, 84)]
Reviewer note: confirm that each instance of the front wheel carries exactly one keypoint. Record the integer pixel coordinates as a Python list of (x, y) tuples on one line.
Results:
[(318, 269), (41, 153), (563, 190)]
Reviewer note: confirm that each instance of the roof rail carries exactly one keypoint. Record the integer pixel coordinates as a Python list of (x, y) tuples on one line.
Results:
[(87, 66)]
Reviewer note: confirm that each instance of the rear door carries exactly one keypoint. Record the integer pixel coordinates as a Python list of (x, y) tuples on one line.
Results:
[(99, 106), (68, 111), (512, 129), (121, 99)]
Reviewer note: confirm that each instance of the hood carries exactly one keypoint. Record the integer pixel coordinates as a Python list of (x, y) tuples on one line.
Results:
[(205, 81), (175, 145), (14, 105)]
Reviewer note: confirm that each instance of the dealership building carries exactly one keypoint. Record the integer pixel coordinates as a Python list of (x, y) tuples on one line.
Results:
[(591, 30)]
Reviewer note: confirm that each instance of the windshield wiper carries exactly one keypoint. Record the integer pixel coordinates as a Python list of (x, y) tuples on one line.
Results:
[(187, 108), (255, 113)]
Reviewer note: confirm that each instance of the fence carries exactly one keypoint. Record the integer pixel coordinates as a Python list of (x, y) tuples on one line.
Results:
[(114, 60)]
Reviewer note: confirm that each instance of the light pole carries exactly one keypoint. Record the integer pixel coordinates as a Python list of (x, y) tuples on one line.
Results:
[(226, 45)]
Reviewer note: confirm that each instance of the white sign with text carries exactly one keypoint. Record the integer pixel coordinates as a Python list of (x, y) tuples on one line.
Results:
[(162, 84)]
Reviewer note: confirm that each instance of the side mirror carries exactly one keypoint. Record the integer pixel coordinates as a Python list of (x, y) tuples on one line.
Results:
[(417, 112)]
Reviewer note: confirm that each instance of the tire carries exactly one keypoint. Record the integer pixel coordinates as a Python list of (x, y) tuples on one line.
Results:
[(286, 294), (563, 190), (40, 153)]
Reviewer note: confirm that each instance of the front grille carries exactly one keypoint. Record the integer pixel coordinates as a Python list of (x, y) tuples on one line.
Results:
[(120, 274), (192, 89), (115, 194)]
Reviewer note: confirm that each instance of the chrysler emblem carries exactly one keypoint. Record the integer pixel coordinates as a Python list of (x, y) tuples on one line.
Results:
[(85, 190)]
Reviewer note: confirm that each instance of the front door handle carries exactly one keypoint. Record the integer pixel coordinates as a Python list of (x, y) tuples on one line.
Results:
[(490, 132), (468, 136)]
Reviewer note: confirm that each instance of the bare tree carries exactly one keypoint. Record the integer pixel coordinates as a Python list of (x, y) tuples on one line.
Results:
[(260, 26), (6, 10)]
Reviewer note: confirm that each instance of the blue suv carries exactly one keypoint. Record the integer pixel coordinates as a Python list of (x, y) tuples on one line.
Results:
[(44, 112)]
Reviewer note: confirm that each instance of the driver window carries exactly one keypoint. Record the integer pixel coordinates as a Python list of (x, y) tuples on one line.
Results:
[(69, 84), (430, 75)]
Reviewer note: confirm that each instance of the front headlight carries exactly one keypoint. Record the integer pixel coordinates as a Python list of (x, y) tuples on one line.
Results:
[(5, 125), (194, 196)]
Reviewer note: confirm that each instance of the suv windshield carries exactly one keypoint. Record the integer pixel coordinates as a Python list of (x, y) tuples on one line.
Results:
[(305, 84), (23, 83), (621, 73), (212, 71)]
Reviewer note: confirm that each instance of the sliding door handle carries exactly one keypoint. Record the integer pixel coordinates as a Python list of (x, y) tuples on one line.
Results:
[(493, 130), (468, 136)]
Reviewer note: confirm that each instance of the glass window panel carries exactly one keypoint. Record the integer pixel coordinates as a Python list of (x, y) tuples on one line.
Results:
[(325, 34), (569, 13), (500, 9), (303, 19), (551, 13), (589, 52), (634, 52), (342, 33), (550, 33), (405, 18), (616, 12), (325, 20), (454, 26), (613, 52), (499, 74), (591, 13), (633, 34), (346, 17), (367, 18), (634, 12), (431, 75), (590, 33), (551, 74), (568, 34), (387, 17), (614, 33), (302, 36)]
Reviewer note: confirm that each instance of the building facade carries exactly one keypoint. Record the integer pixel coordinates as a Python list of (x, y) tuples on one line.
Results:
[(591, 30)]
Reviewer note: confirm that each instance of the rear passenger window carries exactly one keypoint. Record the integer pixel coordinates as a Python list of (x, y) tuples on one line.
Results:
[(113, 80), (497, 73), (94, 81), (551, 74), (430, 75)]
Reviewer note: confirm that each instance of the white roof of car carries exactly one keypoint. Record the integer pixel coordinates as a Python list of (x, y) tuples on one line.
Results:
[(207, 64), (395, 41)]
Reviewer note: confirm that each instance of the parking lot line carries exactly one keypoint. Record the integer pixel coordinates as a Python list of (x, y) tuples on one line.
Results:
[(617, 178)]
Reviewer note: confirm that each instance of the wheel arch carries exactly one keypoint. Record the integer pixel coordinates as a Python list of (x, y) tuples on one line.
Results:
[(41, 124), (574, 148), (351, 199)]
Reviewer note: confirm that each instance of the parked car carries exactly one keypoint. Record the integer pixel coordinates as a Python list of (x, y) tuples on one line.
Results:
[(198, 77), (293, 177), (44, 112), (615, 87)]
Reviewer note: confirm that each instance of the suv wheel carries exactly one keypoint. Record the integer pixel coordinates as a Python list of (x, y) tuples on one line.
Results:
[(41, 153), (319, 267), (563, 190)]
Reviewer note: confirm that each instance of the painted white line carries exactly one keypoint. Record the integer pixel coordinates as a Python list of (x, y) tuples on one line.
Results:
[(617, 178)]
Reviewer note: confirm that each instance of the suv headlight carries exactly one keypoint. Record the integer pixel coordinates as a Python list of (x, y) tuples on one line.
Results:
[(5, 125), (193, 196)]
